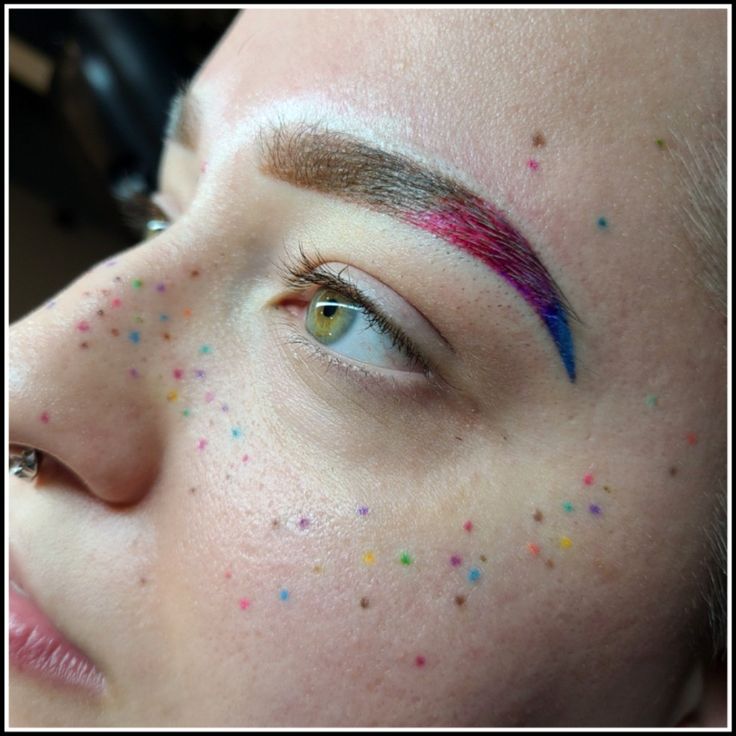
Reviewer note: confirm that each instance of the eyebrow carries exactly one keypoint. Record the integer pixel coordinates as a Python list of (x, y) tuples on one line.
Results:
[(334, 163)]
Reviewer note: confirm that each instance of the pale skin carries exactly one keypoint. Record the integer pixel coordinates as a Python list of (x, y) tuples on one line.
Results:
[(146, 564)]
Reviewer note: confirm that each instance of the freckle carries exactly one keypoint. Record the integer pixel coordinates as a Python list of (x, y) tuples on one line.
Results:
[(275, 524), (45, 417), (550, 563), (87, 293), (187, 312), (117, 278), (203, 167), (565, 542), (460, 600), (201, 444), (602, 223), (83, 326), (133, 373), (134, 336), (171, 396), (588, 479), (317, 569), (368, 558), (116, 303), (420, 661), (166, 336), (83, 345), (456, 560), (100, 312), (142, 581), (692, 438), (483, 558), (468, 526), (178, 373), (532, 164), (192, 490), (137, 283), (105, 292), (533, 548), (244, 604), (537, 516), (538, 140), (673, 471), (160, 287), (194, 273), (364, 603)]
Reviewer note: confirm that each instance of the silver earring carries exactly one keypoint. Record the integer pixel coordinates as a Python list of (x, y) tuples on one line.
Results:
[(25, 465)]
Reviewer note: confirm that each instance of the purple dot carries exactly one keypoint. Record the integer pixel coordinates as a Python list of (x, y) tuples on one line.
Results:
[(225, 407), (363, 510), (111, 263), (199, 373), (456, 560), (160, 287), (303, 522), (595, 508), (134, 373)]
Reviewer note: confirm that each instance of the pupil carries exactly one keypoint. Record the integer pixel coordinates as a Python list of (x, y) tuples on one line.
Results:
[(330, 309)]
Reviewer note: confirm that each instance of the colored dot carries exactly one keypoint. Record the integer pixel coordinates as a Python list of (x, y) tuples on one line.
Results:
[(209, 396), (134, 336), (363, 510), (114, 332), (225, 407), (660, 143), (650, 400), (532, 164), (537, 515), (228, 574), (244, 603), (565, 542), (468, 526), (568, 507), (139, 319), (186, 412), (83, 326), (205, 350), (533, 548), (595, 508), (303, 522), (317, 569), (245, 458), (160, 287), (201, 444), (368, 558), (171, 396), (607, 489), (116, 303), (45, 417), (364, 603), (178, 373), (456, 560), (137, 283), (474, 575), (588, 479), (459, 600), (405, 558), (187, 312), (163, 317), (203, 167), (602, 223), (284, 594), (236, 432), (133, 372), (199, 373), (692, 438), (420, 661)]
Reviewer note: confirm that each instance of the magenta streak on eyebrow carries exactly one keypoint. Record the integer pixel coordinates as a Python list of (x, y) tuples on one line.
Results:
[(477, 228)]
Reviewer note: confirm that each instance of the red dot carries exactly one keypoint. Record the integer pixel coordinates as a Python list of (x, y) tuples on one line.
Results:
[(532, 164), (244, 603), (468, 526), (692, 438), (116, 302), (178, 373), (45, 417), (588, 479), (420, 661), (533, 548)]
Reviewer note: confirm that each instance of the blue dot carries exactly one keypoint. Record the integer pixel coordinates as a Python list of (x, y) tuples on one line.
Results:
[(602, 223), (205, 350), (164, 318), (236, 432), (284, 594), (474, 574), (134, 336)]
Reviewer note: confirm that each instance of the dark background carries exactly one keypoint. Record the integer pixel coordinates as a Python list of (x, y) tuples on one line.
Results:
[(88, 95)]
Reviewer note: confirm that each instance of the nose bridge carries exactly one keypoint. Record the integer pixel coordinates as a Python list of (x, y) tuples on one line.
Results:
[(85, 376)]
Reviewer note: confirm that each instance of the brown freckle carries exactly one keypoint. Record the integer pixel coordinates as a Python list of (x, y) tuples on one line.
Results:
[(100, 312), (550, 563), (194, 273), (275, 524), (115, 332), (483, 558), (460, 600), (607, 489), (317, 568), (83, 345), (166, 336), (459, 439), (192, 490), (538, 140), (538, 515), (142, 581), (673, 471), (364, 603)]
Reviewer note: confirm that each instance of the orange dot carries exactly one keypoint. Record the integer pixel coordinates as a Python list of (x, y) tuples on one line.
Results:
[(187, 312), (533, 548)]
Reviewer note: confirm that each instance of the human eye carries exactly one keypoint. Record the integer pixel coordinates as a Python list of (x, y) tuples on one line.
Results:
[(352, 320), (143, 214)]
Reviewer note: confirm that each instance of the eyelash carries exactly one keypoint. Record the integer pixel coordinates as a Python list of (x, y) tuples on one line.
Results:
[(305, 271)]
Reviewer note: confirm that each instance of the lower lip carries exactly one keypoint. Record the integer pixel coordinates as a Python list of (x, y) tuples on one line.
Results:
[(36, 647)]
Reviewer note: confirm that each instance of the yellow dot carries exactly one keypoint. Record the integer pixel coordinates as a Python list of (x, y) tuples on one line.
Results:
[(172, 396), (565, 542), (369, 558)]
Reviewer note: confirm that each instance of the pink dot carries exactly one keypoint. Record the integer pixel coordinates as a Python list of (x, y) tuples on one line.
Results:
[(209, 396), (692, 438), (228, 574), (588, 479), (203, 167), (83, 326), (178, 373), (201, 444), (244, 603), (533, 548), (420, 661), (45, 417), (133, 373), (117, 302), (245, 458), (456, 560), (468, 526), (532, 164)]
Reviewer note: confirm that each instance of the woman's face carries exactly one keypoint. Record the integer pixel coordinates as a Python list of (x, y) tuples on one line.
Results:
[(414, 413)]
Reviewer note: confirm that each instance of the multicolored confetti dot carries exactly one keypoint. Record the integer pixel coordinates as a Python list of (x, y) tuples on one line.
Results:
[(116, 303), (201, 444), (83, 326), (474, 575), (456, 560), (133, 373), (692, 438), (245, 458), (209, 396), (568, 507), (368, 558), (532, 164), (139, 319), (363, 510), (468, 526), (602, 223), (137, 283), (650, 400), (178, 373), (172, 396), (160, 287), (660, 143), (588, 479), (205, 350), (565, 542), (228, 574), (405, 558), (163, 317), (284, 594), (533, 548), (134, 336), (244, 604), (199, 373), (595, 509), (225, 407), (304, 523), (114, 332), (420, 661), (45, 418), (187, 313), (186, 412), (236, 432)]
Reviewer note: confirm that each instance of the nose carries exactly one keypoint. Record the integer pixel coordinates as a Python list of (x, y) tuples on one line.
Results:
[(75, 388)]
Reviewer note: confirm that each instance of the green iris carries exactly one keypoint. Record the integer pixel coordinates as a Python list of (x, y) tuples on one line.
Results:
[(330, 315)]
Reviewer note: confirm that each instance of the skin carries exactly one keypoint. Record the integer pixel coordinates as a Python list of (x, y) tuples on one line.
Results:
[(143, 560)]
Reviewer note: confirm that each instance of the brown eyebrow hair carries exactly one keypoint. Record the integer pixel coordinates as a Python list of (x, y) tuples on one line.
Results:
[(184, 119)]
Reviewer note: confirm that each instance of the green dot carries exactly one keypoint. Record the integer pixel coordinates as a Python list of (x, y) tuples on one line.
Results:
[(660, 143), (568, 506), (186, 412), (651, 400), (205, 350), (405, 558), (137, 283)]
